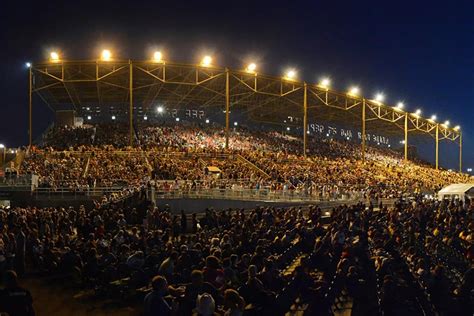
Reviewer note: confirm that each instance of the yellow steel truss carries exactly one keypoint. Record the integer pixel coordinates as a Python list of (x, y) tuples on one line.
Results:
[(119, 81)]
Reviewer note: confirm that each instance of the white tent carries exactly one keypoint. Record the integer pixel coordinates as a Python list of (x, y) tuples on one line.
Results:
[(457, 190)]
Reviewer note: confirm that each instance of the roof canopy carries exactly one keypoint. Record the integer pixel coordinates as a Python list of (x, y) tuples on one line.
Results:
[(456, 189)]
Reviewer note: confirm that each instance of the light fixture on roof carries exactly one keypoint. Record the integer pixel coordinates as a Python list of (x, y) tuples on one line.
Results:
[(288, 128), (251, 68), (160, 109), (235, 123), (28, 64), (457, 128), (106, 55), (177, 119), (400, 105), (290, 74), (206, 61), (379, 97), (446, 123), (157, 57), (325, 83), (418, 112), (354, 91), (145, 117), (207, 121), (433, 117), (89, 117), (113, 117), (54, 56)]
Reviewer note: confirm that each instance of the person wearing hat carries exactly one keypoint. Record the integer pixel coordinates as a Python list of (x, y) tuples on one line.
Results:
[(15, 300)]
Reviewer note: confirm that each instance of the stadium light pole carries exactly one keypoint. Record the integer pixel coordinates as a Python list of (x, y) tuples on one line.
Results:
[(227, 107), (437, 145), (130, 110), (305, 118), (363, 129), (460, 151), (406, 137), (30, 106)]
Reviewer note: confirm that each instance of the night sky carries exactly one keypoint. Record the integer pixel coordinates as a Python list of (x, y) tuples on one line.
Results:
[(417, 52)]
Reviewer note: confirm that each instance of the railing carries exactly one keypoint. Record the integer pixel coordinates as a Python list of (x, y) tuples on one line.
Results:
[(251, 195)]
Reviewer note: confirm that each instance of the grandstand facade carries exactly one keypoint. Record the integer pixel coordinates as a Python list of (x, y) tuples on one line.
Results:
[(130, 91)]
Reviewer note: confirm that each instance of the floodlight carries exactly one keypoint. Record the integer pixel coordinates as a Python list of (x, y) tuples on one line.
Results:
[(290, 74), (106, 55), (354, 91), (251, 67), (28, 65), (160, 109), (400, 105), (206, 61), (157, 57), (325, 83), (113, 117), (54, 56), (379, 97)]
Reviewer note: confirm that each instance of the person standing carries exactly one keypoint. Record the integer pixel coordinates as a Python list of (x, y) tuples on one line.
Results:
[(184, 222), (15, 300)]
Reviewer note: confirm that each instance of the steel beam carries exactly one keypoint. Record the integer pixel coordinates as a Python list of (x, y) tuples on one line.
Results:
[(305, 119)]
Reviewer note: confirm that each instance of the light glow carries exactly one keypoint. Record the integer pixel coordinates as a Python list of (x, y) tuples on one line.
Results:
[(106, 55), (457, 128), (28, 65), (89, 117), (206, 61), (145, 117), (290, 74), (160, 109), (379, 97), (177, 119), (113, 117), (433, 117), (207, 121), (354, 91), (235, 123), (2, 146), (325, 83), (418, 112), (446, 123), (157, 57), (251, 67), (400, 105), (54, 56)]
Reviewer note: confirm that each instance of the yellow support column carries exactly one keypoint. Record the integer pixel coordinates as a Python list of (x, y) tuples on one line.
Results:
[(363, 130), (406, 137), (437, 145), (460, 152), (227, 108), (305, 119), (30, 107), (130, 110)]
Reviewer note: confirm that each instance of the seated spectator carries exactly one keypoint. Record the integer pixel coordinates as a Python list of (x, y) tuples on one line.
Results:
[(15, 300)]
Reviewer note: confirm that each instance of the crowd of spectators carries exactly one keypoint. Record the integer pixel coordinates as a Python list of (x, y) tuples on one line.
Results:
[(254, 160), (260, 261)]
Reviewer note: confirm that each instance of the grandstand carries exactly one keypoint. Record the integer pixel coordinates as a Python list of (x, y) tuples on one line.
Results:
[(168, 188)]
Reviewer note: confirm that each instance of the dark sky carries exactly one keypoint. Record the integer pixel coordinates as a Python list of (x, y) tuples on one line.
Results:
[(416, 51)]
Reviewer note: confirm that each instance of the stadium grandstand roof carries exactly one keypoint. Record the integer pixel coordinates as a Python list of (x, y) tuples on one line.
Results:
[(131, 88), (76, 84)]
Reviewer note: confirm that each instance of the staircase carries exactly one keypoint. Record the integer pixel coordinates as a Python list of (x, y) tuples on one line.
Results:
[(252, 166)]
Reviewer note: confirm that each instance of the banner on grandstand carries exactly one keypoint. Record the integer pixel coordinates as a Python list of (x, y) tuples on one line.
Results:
[(331, 131)]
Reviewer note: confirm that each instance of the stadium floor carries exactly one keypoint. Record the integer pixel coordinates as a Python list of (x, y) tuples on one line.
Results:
[(54, 298)]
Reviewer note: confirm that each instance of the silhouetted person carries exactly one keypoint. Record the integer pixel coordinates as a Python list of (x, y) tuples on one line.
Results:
[(15, 300)]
